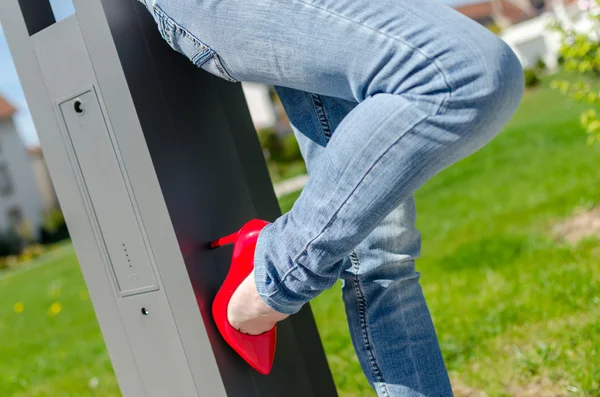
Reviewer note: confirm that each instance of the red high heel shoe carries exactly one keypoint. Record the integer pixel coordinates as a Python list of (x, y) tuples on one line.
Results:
[(257, 350)]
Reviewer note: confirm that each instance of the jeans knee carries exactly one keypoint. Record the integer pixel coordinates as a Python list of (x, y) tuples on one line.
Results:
[(487, 91), (502, 81)]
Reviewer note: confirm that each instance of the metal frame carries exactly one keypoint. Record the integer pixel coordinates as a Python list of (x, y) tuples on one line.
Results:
[(156, 159)]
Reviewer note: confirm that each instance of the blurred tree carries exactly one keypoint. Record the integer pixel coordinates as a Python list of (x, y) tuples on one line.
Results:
[(580, 52), (494, 28), (26, 232), (532, 77), (541, 65), (10, 243), (54, 227)]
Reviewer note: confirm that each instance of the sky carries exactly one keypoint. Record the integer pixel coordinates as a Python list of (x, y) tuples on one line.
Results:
[(10, 88)]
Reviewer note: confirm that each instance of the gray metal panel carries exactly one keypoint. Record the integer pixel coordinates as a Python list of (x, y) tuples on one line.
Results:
[(173, 275), (113, 202), (120, 233)]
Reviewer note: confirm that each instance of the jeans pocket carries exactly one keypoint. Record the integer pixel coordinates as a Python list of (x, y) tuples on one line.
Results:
[(184, 42)]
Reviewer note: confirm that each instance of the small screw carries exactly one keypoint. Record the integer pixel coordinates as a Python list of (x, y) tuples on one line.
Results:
[(145, 311), (78, 106)]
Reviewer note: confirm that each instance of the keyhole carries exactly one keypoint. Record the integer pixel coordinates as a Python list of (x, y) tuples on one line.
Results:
[(78, 106), (145, 311)]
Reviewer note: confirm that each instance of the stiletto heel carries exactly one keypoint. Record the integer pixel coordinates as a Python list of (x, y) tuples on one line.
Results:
[(256, 350), (227, 240)]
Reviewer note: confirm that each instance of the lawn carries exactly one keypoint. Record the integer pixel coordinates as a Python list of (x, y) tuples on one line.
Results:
[(517, 312)]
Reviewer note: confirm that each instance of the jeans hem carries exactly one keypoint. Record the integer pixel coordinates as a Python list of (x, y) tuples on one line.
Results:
[(280, 307), (262, 277)]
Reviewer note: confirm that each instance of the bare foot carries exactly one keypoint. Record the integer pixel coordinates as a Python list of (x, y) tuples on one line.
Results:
[(248, 313)]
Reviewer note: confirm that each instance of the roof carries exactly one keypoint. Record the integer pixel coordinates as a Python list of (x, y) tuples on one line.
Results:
[(6, 109), (475, 10), (514, 11), (482, 9), (35, 150)]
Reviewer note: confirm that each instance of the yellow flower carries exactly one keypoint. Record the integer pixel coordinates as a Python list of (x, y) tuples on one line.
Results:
[(54, 309), (19, 307), (84, 295)]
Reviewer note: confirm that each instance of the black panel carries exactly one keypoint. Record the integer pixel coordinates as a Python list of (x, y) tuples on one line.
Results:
[(38, 15), (213, 177), (303, 324)]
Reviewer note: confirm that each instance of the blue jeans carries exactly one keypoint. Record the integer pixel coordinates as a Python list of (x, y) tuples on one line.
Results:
[(382, 95)]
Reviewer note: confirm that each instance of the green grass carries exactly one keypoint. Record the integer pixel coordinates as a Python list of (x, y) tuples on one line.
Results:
[(517, 313), (45, 353)]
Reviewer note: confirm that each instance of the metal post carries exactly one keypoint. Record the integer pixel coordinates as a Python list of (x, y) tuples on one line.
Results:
[(151, 158)]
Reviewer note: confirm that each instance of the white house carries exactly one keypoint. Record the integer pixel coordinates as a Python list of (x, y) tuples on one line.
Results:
[(533, 40), (20, 198), (265, 108), (260, 104), (42, 177), (526, 24)]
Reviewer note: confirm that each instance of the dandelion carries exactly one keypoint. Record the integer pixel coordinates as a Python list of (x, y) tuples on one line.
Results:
[(54, 309), (19, 307), (84, 295)]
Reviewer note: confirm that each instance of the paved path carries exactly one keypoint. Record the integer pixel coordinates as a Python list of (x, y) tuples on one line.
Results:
[(291, 185)]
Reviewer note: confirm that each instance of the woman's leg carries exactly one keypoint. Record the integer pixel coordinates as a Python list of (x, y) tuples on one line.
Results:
[(384, 150), (381, 288), (391, 327), (432, 86)]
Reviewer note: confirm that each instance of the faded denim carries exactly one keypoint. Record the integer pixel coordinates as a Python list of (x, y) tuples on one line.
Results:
[(382, 95)]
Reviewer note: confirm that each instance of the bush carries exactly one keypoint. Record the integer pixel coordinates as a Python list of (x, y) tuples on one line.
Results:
[(494, 28), (279, 148), (541, 66), (291, 149), (532, 77), (54, 227), (580, 53), (270, 143), (31, 252), (10, 243)]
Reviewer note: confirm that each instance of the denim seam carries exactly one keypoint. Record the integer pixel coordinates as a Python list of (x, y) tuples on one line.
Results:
[(327, 133), (322, 117), (401, 40), (220, 66), (206, 52), (411, 355), (361, 302)]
